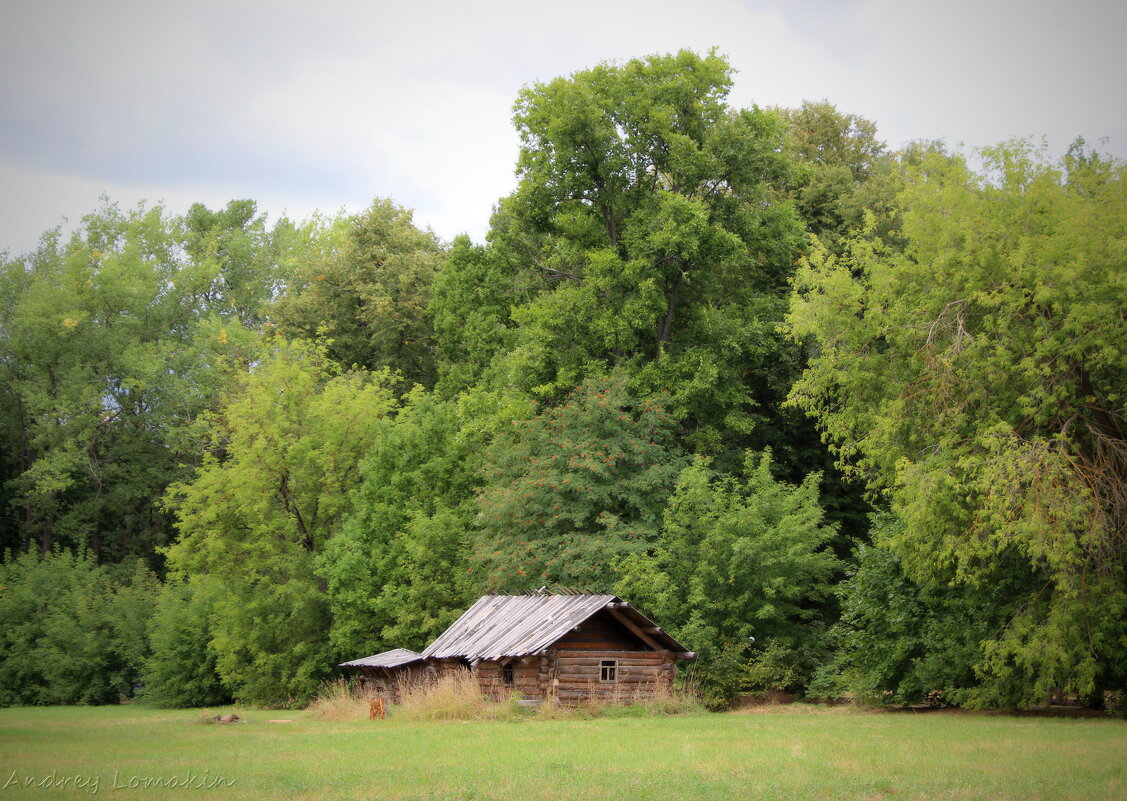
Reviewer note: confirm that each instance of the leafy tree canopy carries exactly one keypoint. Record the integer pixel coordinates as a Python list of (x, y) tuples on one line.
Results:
[(647, 211), (113, 342), (574, 488), (739, 559), (273, 489), (365, 282), (977, 380)]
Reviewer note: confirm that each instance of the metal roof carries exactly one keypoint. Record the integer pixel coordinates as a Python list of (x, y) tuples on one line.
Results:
[(387, 659), (500, 626)]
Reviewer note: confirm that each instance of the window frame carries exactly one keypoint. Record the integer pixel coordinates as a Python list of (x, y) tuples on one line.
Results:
[(608, 671)]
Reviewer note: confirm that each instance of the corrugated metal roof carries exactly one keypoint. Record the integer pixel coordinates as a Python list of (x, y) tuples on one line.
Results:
[(500, 626), (387, 659)]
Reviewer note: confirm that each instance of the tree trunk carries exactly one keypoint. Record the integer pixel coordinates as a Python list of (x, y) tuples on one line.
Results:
[(665, 324)]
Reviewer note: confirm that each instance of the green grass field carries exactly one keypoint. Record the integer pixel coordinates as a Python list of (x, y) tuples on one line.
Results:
[(781, 753)]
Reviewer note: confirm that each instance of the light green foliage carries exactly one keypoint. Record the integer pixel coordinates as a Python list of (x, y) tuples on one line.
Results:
[(977, 379), (71, 631), (272, 491), (739, 559), (365, 282), (181, 672), (574, 488), (396, 573), (646, 208)]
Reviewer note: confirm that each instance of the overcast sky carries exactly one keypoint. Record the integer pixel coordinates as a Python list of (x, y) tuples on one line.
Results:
[(304, 106)]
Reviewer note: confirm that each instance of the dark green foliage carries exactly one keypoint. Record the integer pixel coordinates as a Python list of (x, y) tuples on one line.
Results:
[(574, 488), (71, 631), (648, 210), (740, 558), (474, 294), (182, 672), (396, 573), (899, 643)]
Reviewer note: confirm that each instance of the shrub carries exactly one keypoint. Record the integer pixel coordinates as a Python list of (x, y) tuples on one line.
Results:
[(181, 672), (71, 631)]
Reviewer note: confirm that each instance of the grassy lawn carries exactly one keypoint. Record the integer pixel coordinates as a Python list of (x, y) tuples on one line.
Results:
[(784, 753)]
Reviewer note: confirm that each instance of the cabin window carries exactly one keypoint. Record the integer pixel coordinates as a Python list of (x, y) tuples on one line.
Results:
[(608, 670), (507, 673)]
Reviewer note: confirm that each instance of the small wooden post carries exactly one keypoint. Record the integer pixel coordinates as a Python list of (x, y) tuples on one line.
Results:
[(377, 708)]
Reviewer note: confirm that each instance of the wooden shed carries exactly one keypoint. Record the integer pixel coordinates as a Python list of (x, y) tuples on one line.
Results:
[(383, 673), (565, 648)]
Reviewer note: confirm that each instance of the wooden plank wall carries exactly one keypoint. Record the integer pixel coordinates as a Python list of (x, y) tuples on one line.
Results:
[(601, 632), (570, 671)]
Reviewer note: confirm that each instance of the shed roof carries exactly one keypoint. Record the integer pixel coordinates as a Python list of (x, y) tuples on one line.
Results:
[(500, 626), (388, 659)]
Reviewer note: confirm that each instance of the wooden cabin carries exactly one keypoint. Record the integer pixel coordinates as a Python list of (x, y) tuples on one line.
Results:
[(560, 648)]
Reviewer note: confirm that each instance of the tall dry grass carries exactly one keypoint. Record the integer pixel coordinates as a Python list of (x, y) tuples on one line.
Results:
[(342, 699), (457, 696), (657, 700)]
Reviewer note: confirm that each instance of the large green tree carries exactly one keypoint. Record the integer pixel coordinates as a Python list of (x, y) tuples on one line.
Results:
[(365, 282), (977, 381), (243, 259), (112, 342), (273, 489), (647, 209), (474, 295), (842, 173), (396, 572), (571, 490)]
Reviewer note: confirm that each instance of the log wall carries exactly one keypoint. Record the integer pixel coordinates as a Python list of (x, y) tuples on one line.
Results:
[(530, 678), (569, 672), (640, 675)]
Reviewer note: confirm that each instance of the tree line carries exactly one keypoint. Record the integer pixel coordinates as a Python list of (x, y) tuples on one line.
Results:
[(844, 419)]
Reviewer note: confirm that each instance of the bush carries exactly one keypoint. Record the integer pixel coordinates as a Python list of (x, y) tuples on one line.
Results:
[(181, 670), (71, 631)]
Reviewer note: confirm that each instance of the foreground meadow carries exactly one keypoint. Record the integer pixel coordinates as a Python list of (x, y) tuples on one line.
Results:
[(780, 753)]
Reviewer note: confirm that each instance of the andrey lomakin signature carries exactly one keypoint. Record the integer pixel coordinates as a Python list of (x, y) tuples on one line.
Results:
[(92, 783)]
